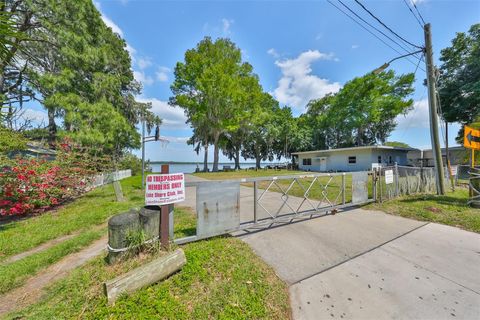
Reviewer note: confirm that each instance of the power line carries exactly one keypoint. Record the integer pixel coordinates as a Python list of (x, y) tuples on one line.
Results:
[(383, 24), (378, 30), (415, 6), (416, 18), (369, 31), (418, 63)]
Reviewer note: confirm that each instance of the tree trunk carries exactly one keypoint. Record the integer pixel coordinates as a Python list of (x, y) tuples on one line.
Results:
[(52, 128), (257, 162), (216, 150), (205, 157), (237, 159)]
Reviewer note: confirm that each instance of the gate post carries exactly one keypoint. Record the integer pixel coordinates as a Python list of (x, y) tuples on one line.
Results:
[(255, 197), (343, 188), (374, 184), (164, 217), (380, 184), (396, 180)]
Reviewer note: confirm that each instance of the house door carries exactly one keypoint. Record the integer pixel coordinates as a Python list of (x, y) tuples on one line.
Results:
[(323, 164)]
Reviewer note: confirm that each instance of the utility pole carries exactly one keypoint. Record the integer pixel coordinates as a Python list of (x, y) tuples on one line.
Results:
[(432, 103), (143, 153)]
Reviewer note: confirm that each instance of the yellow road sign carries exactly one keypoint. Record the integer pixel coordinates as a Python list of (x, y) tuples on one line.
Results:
[(471, 138)]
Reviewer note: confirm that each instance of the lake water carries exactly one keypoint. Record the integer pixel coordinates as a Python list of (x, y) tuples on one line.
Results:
[(191, 167)]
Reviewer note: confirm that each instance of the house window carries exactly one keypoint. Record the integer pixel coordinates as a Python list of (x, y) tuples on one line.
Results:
[(307, 162), (390, 159), (379, 159), (352, 160)]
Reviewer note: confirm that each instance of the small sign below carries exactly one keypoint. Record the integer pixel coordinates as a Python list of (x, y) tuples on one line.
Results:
[(388, 176), (454, 170), (164, 189)]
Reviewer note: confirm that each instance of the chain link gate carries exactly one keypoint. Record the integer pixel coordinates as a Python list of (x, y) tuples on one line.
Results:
[(404, 181)]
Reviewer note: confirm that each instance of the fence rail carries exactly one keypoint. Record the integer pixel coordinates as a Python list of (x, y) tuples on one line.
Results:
[(106, 178)]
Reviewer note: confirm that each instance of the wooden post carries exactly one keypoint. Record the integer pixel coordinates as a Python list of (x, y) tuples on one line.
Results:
[(164, 215), (118, 228), (117, 187), (144, 275), (150, 221)]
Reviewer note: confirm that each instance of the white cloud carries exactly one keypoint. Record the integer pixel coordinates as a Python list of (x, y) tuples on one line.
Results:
[(140, 76), (273, 53), (144, 63), (172, 117), (355, 46), (162, 74), (37, 116), (297, 85), (416, 118), (132, 51), (226, 25), (417, 1), (115, 28)]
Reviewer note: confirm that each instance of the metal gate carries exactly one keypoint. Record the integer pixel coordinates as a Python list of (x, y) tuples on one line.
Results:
[(257, 203)]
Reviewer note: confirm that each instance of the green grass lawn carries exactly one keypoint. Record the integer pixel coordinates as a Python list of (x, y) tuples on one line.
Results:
[(223, 279), (80, 216), (451, 209), (226, 175), (184, 222), (15, 274)]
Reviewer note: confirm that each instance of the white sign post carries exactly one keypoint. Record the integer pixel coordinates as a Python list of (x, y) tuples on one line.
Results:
[(388, 176), (164, 189)]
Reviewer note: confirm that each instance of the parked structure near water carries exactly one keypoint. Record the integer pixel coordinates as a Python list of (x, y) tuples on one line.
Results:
[(351, 159)]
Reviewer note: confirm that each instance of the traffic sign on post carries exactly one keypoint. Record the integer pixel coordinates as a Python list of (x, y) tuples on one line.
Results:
[(471, 138)]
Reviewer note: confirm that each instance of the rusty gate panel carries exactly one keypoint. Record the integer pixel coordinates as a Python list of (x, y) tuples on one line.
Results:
[(218, 208), (359, 187)]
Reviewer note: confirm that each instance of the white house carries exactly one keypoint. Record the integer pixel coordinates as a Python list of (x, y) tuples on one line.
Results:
[(351, 159)]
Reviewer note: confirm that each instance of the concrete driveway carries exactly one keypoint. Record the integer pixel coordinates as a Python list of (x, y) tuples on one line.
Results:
[(369, 265), (361, 264)]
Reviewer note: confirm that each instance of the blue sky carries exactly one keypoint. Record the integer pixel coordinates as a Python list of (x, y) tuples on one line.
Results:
[(299, 49)]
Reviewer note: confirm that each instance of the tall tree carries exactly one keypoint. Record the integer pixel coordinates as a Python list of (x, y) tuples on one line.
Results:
[(209, 87), (80, 71), (363, 112), (459, 81), (263, 132), (16, 24)]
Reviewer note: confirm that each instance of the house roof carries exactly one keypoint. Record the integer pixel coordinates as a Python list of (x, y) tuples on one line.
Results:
[(357, 148)]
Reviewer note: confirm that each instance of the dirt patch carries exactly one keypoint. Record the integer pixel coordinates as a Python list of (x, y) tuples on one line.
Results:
[(434, 209), (33, 289)]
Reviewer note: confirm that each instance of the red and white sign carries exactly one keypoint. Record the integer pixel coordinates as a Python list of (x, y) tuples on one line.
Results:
[(164, 189)]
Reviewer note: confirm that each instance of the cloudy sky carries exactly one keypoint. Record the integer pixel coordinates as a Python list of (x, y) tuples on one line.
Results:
[(300, 49)]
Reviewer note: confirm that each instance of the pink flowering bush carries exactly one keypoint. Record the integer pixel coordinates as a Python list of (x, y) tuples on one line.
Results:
[(32, 185)]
